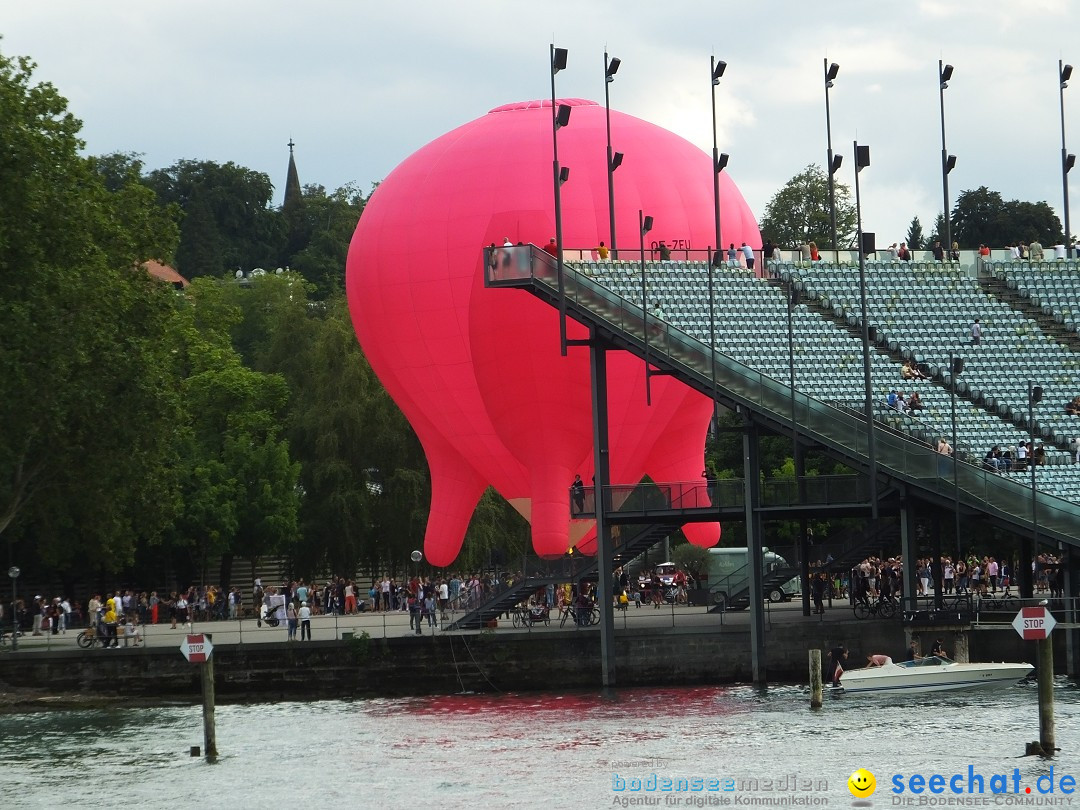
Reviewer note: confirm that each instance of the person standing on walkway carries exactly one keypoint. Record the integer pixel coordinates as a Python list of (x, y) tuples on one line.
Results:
[(305, 621), (817, 589), (290, 615)]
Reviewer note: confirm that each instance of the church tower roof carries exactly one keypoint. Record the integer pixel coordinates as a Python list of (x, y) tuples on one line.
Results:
[(292, 180)]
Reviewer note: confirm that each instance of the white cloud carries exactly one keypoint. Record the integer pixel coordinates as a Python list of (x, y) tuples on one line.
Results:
[(361, 85)]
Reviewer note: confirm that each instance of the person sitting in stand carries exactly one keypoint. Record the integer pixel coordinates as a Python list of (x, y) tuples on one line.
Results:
[(1072, 407), (901, 403), (890, 400), (915, 403), (902, 253), (992, 459)]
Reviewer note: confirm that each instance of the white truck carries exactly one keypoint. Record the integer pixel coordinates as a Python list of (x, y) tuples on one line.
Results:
[(729, 576)]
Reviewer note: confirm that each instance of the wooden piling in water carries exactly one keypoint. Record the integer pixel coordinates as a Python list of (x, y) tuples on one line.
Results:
[(815, 679)]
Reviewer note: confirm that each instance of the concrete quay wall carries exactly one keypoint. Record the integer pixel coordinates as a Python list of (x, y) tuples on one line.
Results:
[(480, 662)]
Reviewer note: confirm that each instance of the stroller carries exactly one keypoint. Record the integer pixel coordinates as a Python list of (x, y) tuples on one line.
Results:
[(269, 615)]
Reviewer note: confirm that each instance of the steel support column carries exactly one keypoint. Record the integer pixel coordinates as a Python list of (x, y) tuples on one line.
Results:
[(907, 552), (751, 482), (601, 461)]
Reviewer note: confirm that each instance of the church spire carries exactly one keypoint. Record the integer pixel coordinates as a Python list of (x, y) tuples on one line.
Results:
[(292, 180)]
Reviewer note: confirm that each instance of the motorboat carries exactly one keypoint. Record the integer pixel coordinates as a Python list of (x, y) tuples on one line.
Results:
[(935, 673)]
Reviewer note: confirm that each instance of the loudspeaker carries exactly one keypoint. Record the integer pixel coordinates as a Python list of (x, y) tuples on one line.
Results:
[(869, 243)]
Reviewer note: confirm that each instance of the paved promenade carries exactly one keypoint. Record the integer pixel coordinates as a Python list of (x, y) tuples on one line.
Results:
[(395, 624)]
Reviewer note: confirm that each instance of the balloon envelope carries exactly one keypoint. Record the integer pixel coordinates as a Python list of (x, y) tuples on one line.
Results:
[(478, 372)]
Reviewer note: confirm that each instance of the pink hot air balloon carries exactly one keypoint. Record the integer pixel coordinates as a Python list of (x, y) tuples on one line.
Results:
[(477, 371)]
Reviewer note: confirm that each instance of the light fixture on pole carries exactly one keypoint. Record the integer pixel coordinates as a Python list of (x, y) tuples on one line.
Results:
[(956, 368), (14, 572), (1067, 160), (830, 76), (614, 159), (862, 160), (718, 161), (945, 73), (644, 226), (560, 117)]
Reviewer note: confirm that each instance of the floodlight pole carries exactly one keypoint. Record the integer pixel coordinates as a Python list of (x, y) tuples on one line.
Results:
[(944, 74), (862, 160), (558, 61), (611, 67), (1064, 74), (828, 135), (716, 70)]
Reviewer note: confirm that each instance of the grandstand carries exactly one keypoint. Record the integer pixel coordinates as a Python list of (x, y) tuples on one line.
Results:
[(921, 310)]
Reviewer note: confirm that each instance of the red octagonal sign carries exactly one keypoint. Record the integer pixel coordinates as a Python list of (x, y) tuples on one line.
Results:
[(1034, 623)]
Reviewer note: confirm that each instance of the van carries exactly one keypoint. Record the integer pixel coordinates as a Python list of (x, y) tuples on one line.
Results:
[(729, 575)]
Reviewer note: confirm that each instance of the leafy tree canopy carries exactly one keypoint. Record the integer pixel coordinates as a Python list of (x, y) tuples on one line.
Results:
[(983, 217), (799, 212), (86, 420)]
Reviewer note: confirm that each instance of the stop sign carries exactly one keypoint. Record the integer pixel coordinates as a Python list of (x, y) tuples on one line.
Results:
[(196, 648), (1034, 623)]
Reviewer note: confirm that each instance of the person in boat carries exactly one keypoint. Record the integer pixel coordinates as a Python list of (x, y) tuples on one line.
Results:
[(878, 660), (938, 649), (912, 654), (838, 655)]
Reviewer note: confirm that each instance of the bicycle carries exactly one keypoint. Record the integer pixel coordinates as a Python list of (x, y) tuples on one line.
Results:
[(882, 608), (90, 637), (527, 616), (1006, 601), (571, 611)]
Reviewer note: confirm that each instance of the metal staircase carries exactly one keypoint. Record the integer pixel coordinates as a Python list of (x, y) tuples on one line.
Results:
[(633, 540)]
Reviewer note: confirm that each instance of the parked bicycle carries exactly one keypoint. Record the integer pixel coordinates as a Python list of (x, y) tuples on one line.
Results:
[(879, 608), (89, 638), (570, 611), (1003, 601)]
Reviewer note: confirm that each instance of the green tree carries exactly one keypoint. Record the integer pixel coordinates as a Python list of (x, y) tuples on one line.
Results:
[(915, 235), (327, 225), (364, 476), (983, 217), (240, 484), (90, 398), (227, 220), (799, 212)]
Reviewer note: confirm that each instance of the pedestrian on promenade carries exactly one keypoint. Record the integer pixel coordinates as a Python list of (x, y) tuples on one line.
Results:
[(290, 615), (305, 622)]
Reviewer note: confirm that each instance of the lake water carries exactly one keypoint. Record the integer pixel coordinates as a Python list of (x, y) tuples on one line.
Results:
[(535, 750)]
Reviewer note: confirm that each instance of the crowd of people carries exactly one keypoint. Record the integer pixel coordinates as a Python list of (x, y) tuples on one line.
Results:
[(875, 578)]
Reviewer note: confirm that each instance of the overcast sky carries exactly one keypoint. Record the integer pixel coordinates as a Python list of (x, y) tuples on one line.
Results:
[(360, 85)]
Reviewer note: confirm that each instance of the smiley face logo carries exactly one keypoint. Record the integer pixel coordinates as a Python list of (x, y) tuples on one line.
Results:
[(862, 784)]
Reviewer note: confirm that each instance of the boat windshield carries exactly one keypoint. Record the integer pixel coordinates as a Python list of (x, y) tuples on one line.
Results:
[(930, 661)]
